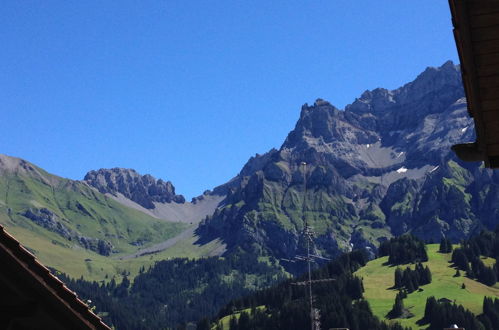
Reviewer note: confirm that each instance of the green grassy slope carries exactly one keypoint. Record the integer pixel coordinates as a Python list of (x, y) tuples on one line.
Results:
[(85, 212), (92, 266), (378, 278)]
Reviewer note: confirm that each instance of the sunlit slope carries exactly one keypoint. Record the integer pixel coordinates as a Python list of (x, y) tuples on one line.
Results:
[(378, 279), (92, 266), (71, 226)]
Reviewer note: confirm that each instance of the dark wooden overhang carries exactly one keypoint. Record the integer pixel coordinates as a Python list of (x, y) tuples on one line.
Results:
[(476, 31), (32, 298)]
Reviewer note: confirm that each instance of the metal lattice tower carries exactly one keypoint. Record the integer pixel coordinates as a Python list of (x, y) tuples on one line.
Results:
[(309, 235)]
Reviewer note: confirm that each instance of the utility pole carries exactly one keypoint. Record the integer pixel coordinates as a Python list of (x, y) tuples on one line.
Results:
[(308, 234), (308, 237)]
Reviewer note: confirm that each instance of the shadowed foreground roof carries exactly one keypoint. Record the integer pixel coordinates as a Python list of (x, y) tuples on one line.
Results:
[(32, 298), (476, 31)]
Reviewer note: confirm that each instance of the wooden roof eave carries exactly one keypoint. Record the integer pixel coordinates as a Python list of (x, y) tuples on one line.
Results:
[(462, 36), (53, 289)]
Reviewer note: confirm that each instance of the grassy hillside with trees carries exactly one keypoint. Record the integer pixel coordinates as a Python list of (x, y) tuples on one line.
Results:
[(176, 292), (339, 303), (448, 284)]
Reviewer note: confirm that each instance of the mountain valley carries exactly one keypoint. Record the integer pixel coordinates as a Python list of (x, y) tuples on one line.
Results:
[(380, 168)]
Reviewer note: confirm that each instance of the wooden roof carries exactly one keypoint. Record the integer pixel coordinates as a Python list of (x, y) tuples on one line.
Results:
[(32, 298), (476, 31)]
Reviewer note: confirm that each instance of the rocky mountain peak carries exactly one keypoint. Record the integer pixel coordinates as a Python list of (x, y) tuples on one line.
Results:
[(380, 167), (434, 80), (373, 101), (13, 164), (142, 189), (316, 122), (443, 83), (377, 116)]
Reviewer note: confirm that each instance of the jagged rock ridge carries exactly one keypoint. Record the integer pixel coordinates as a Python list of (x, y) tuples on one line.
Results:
[(142, 189), (380, 167)]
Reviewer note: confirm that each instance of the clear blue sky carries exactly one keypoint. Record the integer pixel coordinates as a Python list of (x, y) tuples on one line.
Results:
[(188, 90)]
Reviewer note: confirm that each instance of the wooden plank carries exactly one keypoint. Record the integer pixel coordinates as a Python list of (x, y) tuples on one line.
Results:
[(487, 59), (485, 47), (491, 132), (484, 20), (493, 149), (490, 116), (488, 70), (481, 7), (453, 11), (489, 93), (470, 99), (490, 104), (489, 81), (484, 34), (467, 53)]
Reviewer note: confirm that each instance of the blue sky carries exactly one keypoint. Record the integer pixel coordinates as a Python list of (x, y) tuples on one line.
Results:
[(188, 90)]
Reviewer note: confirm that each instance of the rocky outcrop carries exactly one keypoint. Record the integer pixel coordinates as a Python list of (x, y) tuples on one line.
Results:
[(142, 189), (381, 167), (50, 221)]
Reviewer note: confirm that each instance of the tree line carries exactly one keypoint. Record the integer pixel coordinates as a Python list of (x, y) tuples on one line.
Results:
[(174, 292), (468, 257), (339, 303), (411, 280), (439, 315), (404, 249), (445, 245)]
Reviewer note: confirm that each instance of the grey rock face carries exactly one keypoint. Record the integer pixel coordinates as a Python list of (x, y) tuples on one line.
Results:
[(142, 189), (381, 167), (49, 220)]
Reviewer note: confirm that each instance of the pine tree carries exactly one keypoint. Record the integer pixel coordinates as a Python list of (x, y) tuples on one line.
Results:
[(399, 282), (398, 307), (427, 275), (449, 246), (460, 259), (443, 246), (488, 276), (430, 307)]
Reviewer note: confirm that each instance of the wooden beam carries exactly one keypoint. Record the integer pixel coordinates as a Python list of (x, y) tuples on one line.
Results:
[(490, 105), (492, 128), (491, 116), (462, 34), (487, 59), (485, 33), (490, 19), (482, 7), (489, 81), (493, 149), (488, 70), (491, 93), (25, 309), (485, 47)]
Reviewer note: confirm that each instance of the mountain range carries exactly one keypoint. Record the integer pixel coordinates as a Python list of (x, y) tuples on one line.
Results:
[(383, 166), (379, 168)]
